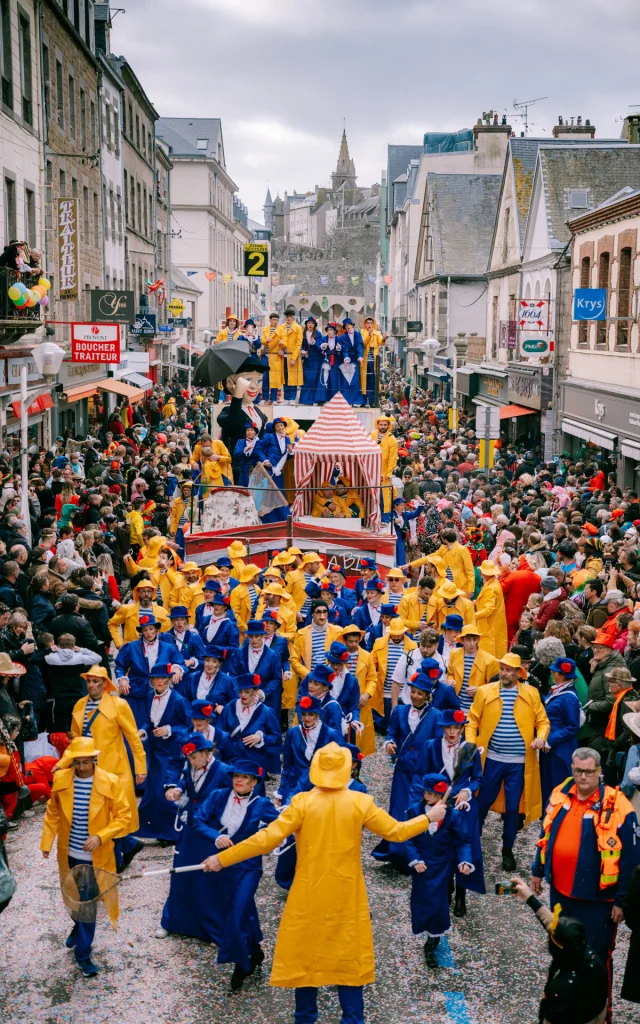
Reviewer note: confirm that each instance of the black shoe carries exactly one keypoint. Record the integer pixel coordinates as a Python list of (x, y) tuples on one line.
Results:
[(508, 860), (430, 947), (88, 968), (460, 905), (257, 957), (128, 857), (238, 977)]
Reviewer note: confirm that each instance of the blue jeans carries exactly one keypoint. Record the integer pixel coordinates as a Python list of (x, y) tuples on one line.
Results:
[(512, 775), (124, 845), (83, 932), (351, 999)]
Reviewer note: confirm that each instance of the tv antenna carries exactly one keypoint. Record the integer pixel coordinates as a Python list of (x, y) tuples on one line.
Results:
[(524, 105)]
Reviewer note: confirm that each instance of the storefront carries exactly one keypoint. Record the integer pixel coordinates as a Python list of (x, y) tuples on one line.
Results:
[(530, 394), (39, 410), (491, 387), (88, 396), (595, 422), (467, 389)]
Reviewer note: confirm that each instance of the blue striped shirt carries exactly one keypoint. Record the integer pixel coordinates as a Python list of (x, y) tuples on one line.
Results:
[(306, 607), (254, 598), (465, 698), (395, 651), (450, 574), (353, 661), (318, 640), (395, 599), (507, 743), (91, 706), (80, 820)]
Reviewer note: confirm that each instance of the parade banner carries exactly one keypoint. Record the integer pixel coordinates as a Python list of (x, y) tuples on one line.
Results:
[(68, 249)]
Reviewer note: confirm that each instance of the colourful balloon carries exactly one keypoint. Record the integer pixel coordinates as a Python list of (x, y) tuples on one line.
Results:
[(21, 302), (44, 284), (14, 293), (37, 292), (30, 299), (44, 301), (22, 286)]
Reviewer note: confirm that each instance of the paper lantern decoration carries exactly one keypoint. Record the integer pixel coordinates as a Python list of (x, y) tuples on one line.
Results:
[(43, 283)]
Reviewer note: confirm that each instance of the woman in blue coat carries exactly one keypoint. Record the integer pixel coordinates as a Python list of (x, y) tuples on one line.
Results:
[(215, 620), (185, 636), (244, 454), (434, 857), (563, 711), (439, 757), (208, 681), (225, 819), (273, 451), (443, 695), (167, 725), (328, 379), (401, 519), (312, 358), (349, 370), (411, 726), (264, 662), (252, 726), (190, 909)]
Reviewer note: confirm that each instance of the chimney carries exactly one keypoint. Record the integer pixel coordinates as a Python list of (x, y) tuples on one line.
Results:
[(631, 129), (489, 137), (573, 128)]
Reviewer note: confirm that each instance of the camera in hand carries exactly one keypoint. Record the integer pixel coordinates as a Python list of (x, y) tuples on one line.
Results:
[(505, 888)]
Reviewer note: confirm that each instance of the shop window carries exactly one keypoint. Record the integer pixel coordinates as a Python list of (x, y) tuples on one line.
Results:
[(583, 327), (603, 282), (624, 298)]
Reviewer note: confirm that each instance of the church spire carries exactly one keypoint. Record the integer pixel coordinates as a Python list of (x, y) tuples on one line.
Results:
[(345, 172)]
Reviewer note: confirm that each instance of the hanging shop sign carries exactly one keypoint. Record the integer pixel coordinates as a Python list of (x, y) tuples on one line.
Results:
[(536, 346), (256, 259), (112, 307), (532, 314), (590, 304), (68, 249), (95, 343)]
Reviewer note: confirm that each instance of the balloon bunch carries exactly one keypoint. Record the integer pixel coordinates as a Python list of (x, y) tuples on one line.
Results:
[(25, 298)]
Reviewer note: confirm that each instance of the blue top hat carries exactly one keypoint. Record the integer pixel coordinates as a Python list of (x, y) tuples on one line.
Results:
[(453, 716), (399, 501), (322, 674), (248, 681), (243, 766), (255, 628), (356, 753), (202, 709), (453, 622), (422, 682), (179, 612), (310, 705), (435, 783), (311, 319), (212, 585), (367, 563), (347, 320), (160, 670), (249, 322), (338, 652), (147, 620), (388, 609), (374, 584), (196, 741), (271, 615), (430, 668), (215, 651), (224, 561), (565, 665)]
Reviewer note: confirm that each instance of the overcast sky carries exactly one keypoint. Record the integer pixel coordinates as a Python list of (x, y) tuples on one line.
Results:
[(283, 74)]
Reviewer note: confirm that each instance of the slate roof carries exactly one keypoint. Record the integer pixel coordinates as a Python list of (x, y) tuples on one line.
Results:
[(602, 170), (182, 133), (463, 215), (398, 159)]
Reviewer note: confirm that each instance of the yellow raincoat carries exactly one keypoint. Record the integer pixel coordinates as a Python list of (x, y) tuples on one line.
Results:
[(223, 334), (240, 603), (300, 653), (462, 606), (325, 935), (413, 611), (274, 350), (169, 408), (368, 683), (136, 526), (292, 341), (109, 729), (123, 625), (345, 502), (371, 343), (484, 669), (491, 619), (380, 656), (213, 470), (109, 818), (458, 559), (532, 721), (286, 615), (389, 451)]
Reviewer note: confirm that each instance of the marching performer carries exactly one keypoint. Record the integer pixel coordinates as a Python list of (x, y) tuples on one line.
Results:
[(389, 447), (208, 682), (251, 725), (312, 357), (231, 331), (372, 341), (255, 657), (469, 667), (135, 660), (349, 369), (273, 345), (327, 383), (290, 336)]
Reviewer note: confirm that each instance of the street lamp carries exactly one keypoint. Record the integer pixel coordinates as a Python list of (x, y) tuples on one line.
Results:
[(431, 346), (48, 359)]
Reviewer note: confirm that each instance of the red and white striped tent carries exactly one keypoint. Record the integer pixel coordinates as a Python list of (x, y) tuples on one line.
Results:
[(338, 438)]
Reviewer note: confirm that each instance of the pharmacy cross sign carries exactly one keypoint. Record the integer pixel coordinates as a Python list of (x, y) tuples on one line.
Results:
[(533, 314)]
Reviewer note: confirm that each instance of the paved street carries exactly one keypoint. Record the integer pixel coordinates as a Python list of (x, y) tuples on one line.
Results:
[(492, 966)]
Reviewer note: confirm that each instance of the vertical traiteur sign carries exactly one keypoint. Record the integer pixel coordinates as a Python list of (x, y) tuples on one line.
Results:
[(68, 250)]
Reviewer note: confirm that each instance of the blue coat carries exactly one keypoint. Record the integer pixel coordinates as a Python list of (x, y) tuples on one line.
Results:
[(243, 464), (586, 883), (227, 634), (269, 670), (231, 897), (348, 700), (401, 555), (348, 598), (563, 712), (268, 450), (131, 662), (179, 770), (221, 691), (444, 697), (362, 619), (312, 359), (295, 766), (156, 813), (262, 720), (192, 646), (442, 851), (408, 760), (280, 648)]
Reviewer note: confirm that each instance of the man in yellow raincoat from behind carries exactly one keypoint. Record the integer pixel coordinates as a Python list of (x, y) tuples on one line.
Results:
[(325, 936)]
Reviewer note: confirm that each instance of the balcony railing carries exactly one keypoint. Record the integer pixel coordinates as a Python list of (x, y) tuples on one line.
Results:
[(9, 312)]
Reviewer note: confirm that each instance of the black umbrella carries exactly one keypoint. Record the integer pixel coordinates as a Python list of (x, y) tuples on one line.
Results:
[(220, 361)]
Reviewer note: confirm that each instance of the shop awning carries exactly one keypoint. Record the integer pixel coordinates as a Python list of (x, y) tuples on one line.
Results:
[(118, 387), (588, 433), (138, 379), (508, 412), (77, 394), (39, 404), (433, 375), (630, 449)]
